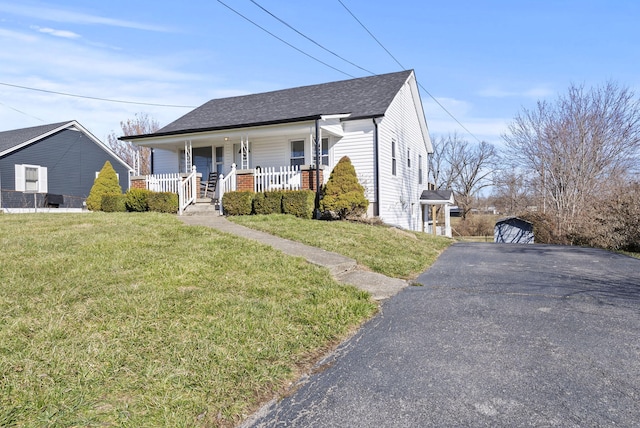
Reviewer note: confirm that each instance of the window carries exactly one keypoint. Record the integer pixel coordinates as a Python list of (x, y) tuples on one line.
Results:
[(219, 160), (324, 152), (297, 153), (419, 169), (408, 158), (393, 157), (31, 178)]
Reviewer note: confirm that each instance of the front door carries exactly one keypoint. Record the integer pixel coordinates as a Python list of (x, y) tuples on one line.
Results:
[(203, 160)]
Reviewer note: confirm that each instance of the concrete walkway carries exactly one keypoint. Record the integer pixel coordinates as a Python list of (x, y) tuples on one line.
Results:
[(343, 269)]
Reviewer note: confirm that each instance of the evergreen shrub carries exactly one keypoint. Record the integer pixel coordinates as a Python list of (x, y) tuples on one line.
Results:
[(268, 202), (137, 200), (237, 202), (163, 202), (105, 184), (343, 195), (114, 203), (299, 203)]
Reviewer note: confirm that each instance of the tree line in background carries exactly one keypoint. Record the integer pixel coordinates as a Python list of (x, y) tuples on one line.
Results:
[(571, 167)]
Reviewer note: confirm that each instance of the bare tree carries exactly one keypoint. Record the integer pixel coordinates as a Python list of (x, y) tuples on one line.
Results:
[(440, 169), (511, 191), (141, 124), (463, 167), (576, 146), (473, 166)]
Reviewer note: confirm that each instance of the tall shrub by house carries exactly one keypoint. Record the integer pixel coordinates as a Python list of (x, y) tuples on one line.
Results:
[(343, 195), (105, 184)]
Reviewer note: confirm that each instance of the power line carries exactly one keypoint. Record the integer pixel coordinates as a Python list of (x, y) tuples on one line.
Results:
[(21, 112), (311, 40), (282, 40), (94, 98), (401, 66), (371, 34)]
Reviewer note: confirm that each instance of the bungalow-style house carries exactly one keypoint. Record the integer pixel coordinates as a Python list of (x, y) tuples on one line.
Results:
[(52, 166), (268, 141)]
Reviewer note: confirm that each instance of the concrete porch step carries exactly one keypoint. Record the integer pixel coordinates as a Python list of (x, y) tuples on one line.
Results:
[(203, 207)]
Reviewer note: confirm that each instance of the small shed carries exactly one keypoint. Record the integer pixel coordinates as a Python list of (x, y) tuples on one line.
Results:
[(513, 230)]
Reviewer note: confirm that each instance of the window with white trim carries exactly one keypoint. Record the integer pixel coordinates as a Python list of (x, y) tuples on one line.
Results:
[(419, 169), (393, 157), (324, 152), (31, 178), (297, 152), (408, 158)]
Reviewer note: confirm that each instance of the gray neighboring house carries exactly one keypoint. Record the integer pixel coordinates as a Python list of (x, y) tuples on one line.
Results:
[(268, 140), (513, 230), (52, 166)]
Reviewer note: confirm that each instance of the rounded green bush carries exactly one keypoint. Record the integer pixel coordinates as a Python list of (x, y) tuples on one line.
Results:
[(343, 194), (137, 200), (105, 184)]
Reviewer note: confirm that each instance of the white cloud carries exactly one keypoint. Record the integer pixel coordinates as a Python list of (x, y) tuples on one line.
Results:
[(58, 33), (46, 13), (63, 65), (536, 92)]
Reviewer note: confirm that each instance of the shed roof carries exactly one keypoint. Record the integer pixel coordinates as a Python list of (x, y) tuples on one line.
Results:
[(437, 196), (512, 219), (365, 97)]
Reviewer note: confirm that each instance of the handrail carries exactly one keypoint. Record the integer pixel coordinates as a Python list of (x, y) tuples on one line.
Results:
[(226, 183), (187, 193)]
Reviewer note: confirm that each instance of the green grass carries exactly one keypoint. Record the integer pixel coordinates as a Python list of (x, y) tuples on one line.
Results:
[(382, 249), (138, 320)]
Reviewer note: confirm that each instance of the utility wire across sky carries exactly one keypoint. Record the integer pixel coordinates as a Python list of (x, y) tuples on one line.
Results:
[(281, 40)]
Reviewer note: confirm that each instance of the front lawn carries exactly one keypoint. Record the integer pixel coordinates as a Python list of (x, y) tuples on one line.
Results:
[(389, 251), (139, 320)]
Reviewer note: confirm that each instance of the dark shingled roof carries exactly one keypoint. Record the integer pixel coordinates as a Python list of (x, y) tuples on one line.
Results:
[(9, 139), (363, 98), (436, 195)]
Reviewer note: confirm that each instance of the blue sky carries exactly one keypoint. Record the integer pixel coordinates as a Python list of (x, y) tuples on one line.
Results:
[(483, 61)]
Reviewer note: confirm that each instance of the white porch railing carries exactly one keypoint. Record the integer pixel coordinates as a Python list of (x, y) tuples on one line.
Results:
[(184, 187), (286, 178), (226, 183)]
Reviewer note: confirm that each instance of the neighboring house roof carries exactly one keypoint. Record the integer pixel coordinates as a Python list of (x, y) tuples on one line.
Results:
[(436, 196), (365, 97), (15, 139)]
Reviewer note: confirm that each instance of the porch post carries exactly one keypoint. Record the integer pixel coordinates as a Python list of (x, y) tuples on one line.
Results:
[(434, 213), (447, 220), (318, 161)]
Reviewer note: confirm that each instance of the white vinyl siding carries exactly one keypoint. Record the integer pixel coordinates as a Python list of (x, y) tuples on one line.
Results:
[(165, 161), (400, 194), (357, 144), (31, 178)]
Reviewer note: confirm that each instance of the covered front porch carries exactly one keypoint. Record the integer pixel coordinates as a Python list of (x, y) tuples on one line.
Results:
[(269, 157), (195, 188)]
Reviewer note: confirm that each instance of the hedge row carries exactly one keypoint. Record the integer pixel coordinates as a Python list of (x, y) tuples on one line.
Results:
[(140, 200), (299, 203)]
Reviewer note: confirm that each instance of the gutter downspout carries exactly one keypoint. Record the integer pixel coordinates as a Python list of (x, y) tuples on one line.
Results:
[(376, 169)]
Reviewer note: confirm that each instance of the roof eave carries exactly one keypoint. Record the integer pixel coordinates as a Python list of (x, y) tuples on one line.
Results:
[(218, 128)]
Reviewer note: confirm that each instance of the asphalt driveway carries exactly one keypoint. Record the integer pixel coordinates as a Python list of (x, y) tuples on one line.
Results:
[(497, 335)]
